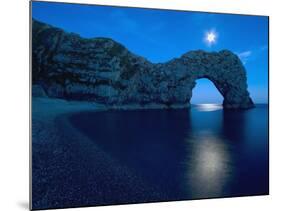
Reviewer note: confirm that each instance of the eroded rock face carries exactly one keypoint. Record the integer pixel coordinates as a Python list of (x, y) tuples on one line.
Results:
[(102, 70)]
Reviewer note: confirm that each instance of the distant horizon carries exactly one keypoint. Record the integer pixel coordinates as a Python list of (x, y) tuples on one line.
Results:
[(221, 103), (161, 35)]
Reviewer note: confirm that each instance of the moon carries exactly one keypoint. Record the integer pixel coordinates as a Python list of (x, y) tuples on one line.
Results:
[(211, 37)]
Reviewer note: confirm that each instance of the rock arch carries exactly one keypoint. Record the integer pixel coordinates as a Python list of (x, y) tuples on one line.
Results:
[(235, 94), (224, 69), (102, 70)]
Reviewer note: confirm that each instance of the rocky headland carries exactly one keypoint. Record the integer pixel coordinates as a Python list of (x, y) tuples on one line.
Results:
[(100, 70)]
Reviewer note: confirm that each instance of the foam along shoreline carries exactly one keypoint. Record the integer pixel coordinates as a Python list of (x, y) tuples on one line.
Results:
[(68, 168)]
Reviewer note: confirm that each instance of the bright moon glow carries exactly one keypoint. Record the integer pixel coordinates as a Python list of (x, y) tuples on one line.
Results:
[(208, 107), (211, 37)]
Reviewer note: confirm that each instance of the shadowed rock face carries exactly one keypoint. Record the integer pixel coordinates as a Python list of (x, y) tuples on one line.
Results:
[(102, 70)]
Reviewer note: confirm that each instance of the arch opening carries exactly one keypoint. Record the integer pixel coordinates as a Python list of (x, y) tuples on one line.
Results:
[(206, 92)]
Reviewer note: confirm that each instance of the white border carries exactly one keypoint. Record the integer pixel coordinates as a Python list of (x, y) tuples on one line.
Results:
[(14, 90)]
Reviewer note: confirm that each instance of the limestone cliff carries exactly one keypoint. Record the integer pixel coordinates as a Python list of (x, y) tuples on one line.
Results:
[(64, 65)]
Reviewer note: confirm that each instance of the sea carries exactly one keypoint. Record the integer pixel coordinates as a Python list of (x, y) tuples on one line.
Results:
[(201, 152)]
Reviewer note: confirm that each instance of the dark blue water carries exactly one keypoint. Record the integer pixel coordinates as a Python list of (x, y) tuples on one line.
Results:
[(187, 154)]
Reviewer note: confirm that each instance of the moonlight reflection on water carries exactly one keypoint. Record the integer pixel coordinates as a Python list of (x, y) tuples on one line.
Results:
[(208, 107), (208, 166)]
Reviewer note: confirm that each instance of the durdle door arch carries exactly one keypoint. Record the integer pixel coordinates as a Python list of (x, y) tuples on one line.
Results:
[(101, 70), (226, 72)]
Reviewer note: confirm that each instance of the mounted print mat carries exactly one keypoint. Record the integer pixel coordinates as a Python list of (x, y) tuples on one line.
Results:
[(134, 105)]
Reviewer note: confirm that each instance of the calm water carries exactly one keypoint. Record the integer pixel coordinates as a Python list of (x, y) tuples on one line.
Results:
[(185, 154)]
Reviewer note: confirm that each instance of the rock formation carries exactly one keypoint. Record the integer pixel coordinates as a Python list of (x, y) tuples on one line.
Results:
[(101, 70)]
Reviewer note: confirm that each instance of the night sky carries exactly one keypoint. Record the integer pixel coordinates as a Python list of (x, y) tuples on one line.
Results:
[(160, 35)]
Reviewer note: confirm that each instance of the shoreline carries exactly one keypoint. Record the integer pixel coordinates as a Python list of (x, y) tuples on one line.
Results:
[(70, 169)]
